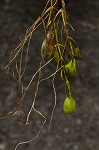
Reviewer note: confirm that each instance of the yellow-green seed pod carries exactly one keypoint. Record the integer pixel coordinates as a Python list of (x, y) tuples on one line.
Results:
[(71, 68), (69, 105), (69, 71)]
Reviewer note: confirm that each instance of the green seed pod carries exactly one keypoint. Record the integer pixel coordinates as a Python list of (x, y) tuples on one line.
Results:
[(70, 68), (69, 105), (69, 71)]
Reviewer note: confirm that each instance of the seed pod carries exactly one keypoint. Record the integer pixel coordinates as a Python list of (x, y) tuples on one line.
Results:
[(69, 71), (48, 46), (71, 68), (56, 57), (69, 105), (75, 53)]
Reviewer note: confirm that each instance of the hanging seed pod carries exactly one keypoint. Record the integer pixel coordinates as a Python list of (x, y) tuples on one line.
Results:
[(69, 70), (48, 46), (69, 105), (75, 53), (73, 50), (59, 57), (56, 57)]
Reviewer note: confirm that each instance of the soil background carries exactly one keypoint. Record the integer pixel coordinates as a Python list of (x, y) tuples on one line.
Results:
[(78, 131)]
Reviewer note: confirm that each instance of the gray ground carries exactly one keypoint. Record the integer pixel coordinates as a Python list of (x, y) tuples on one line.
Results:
[(78, 131)]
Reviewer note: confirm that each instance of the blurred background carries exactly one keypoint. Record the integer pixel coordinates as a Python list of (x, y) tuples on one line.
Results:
[(78, 131)]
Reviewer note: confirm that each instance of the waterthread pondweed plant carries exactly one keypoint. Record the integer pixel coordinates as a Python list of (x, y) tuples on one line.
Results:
[(58, 48)]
